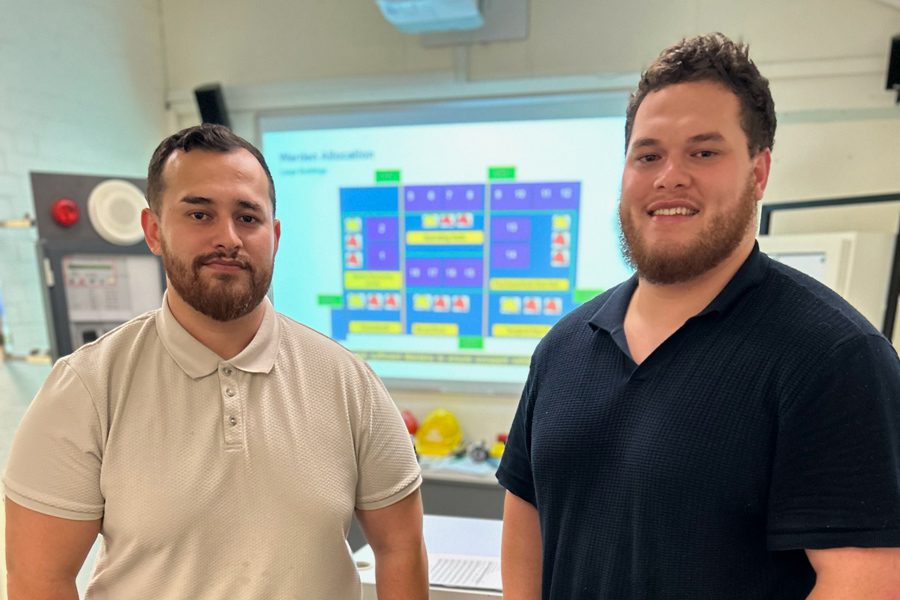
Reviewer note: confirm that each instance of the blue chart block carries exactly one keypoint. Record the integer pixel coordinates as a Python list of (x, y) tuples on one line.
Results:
[(370, 199)]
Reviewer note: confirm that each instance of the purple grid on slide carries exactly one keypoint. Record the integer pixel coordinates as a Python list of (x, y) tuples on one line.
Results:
[(510, 196), (382, 256), (463, 272), (510, 256), (423, 198), (423, 272), (462, 198), (556, 196), (381, 229), (510, 229)]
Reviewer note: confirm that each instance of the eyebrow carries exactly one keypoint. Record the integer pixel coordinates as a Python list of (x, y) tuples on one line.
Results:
[(644, 142), (712, 136), (204, 201)]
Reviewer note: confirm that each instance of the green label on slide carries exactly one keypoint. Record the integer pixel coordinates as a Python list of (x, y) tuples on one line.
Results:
[(501, 173), (330, 300), (471, 342), (392, 176)]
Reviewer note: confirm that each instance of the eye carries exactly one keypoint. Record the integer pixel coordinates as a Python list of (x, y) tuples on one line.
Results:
[(647, 158), (705, 153), (197, 215), (248, 219)]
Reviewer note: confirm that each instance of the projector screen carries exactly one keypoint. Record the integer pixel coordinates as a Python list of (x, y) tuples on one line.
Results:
[(441, 241)]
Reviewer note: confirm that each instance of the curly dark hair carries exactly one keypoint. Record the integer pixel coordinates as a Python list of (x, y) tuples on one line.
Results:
[(209, 137), (713, 57)]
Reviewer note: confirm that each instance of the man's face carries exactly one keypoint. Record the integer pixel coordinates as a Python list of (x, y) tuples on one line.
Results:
[(689, 187), (215, 232)]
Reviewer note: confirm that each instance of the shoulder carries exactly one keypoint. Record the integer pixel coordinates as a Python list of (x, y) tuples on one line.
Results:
[(310, 350), (94, 372), (808, 310), (805, 334), (120, 345), (298, 335)]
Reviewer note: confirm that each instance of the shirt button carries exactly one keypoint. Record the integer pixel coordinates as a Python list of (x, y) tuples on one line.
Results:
[(233, 421), (227, 371), (229, 392)]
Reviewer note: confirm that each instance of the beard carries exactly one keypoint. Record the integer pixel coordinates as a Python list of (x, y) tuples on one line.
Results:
[(671, 263), (221, 296)]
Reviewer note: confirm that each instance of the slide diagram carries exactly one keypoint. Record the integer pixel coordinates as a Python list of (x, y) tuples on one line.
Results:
[(470, 261)]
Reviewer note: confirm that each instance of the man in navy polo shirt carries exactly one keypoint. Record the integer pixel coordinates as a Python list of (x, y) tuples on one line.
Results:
[(719, 426)]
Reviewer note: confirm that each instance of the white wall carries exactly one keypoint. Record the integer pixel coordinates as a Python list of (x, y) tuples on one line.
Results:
[(82, 89), (272, 41)]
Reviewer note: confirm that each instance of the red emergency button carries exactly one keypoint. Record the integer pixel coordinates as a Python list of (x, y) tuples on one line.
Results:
[(65, 212)]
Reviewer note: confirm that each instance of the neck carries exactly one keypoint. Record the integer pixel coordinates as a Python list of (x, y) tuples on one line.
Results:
[(677, 302), (225, 338)]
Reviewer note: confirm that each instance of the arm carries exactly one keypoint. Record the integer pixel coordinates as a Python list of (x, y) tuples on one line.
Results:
[(395, 535), (856, 573), (520, 554), (44, 553)]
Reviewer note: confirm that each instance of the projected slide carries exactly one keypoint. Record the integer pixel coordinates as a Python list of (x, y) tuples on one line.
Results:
[(444, 252)]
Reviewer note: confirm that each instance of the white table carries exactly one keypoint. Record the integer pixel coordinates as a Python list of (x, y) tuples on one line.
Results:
[(443, 535)]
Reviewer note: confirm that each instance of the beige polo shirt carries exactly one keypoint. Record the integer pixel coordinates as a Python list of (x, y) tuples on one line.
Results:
[(214, 478)]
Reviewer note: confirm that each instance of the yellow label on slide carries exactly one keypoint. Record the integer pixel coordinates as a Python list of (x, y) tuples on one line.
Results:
[(521, 331), (445, 238), (523, 284), (373, 280), (446, 329), (375, 327)]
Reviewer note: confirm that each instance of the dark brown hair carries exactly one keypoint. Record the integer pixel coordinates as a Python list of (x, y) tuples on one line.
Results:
[(209, 137), (715, 58)]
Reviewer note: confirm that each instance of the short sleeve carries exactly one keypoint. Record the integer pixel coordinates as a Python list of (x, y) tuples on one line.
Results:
[(388, 471), (836, 472), (515, 472), (56, 455)]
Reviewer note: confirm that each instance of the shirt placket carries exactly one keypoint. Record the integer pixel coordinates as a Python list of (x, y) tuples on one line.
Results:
[(232, 407)]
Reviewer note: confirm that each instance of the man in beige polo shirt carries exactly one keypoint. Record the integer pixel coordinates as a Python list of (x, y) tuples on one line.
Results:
[(220, 448)]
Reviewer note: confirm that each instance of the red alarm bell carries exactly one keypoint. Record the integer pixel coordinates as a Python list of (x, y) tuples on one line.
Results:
[(65, 212)]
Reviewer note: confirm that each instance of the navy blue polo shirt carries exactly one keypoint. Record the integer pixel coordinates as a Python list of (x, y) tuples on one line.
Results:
[(768, 423)]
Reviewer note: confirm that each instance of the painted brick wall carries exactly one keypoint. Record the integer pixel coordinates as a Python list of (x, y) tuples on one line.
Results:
[(82, 90)]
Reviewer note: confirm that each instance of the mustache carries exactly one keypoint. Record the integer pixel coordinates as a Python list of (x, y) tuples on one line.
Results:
[(242, 262)]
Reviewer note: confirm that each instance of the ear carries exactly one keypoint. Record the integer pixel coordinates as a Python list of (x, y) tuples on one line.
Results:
[(150, 225), (277, 227), (762, 162)]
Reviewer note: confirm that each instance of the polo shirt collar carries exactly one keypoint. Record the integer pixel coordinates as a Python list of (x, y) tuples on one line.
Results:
[(610, 316), (197, 361), (748, 276)]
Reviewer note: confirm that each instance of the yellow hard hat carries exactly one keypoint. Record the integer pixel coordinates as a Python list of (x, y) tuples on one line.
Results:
[(439, 434)]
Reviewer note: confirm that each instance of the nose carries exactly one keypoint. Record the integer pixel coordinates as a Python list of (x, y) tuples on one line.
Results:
[(227, 236), (672, 175)]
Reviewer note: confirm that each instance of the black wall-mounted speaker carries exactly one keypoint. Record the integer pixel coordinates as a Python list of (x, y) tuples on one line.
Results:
[(893, 74), (212, 104)]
